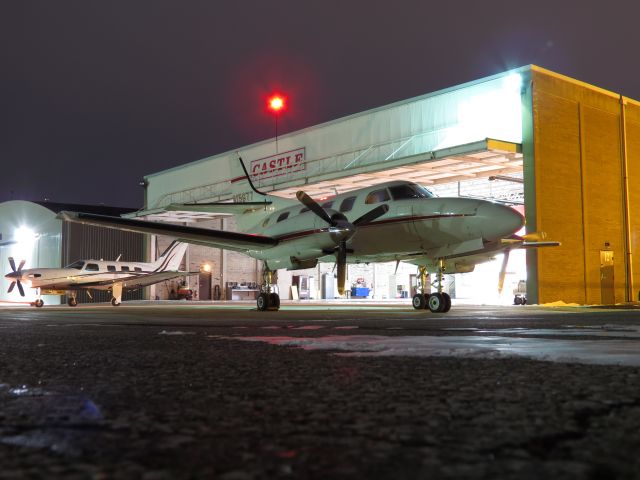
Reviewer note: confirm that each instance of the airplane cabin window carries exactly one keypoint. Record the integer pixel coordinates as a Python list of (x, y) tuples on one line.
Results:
[(77, 265), (124, 268), (111, 268), (377, 196), (407, 191), (92, 267), (137, 269), (347, 204), (283, 216)]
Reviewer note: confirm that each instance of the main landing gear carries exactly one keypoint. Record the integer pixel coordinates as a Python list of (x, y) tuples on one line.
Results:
[(116, 292), (439, 302), (39, 302), (268, 300)]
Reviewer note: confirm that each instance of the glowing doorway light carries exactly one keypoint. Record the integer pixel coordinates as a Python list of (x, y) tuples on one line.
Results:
[(24, 235), (25, 239)]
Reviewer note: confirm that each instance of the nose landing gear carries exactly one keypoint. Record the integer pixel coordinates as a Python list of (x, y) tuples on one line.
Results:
[(268, 300), (438, 302)]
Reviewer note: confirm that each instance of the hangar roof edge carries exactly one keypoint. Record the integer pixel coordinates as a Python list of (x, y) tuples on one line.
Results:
[(581, 83), (56, 207), (443, 91)]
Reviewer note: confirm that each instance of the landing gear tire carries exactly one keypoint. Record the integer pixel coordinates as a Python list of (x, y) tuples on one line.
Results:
[(437, 303), (447, 302), (274, 301), (263, 301), (419, 301), (39, 303), (115, 302), (72, 302)]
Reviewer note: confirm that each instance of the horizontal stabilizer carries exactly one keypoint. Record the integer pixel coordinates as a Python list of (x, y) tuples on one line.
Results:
[(240, 242)]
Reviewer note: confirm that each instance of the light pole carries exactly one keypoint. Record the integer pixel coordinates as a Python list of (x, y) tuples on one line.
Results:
[(276, 104)]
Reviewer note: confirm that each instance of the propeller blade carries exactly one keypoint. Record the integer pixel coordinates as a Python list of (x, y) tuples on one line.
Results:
[(315, 207), (13, 284), (21, 265), (341, 262), (371, 215), (503, 270), (12, 264), (20, 288)]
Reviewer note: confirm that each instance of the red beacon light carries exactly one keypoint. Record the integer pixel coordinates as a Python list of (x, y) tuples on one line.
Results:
[(276, 103)]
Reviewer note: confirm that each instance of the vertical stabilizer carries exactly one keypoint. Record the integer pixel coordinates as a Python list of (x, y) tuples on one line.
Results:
[(171, 258)]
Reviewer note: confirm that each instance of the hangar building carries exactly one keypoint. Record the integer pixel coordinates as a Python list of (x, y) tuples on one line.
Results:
[(568, 150), (31, 232)]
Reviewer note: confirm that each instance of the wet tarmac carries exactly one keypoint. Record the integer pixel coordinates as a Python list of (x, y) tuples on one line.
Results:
[(318, 391)]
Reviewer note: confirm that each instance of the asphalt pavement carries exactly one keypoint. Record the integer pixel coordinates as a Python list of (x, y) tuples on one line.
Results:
[(318, 391)]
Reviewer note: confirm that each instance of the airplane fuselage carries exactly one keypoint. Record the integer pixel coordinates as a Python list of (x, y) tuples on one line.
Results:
[(413, 227), (83, 273)]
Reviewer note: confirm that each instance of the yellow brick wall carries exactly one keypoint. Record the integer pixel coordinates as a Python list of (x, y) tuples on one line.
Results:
[(579, 184)]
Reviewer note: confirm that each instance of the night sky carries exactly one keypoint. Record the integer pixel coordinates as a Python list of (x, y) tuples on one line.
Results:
[(95, 94)]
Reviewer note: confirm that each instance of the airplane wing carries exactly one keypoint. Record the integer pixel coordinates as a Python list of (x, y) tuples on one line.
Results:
[(230, 208), (239, 242)]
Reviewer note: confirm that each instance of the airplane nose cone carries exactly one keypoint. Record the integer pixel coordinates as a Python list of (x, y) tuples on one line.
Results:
[(499, 221)]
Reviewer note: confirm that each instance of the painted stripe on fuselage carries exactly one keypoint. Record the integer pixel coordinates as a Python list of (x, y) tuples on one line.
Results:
[(304, 233)]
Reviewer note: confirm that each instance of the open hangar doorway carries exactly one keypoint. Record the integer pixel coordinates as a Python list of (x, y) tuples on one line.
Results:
[(491, 170)]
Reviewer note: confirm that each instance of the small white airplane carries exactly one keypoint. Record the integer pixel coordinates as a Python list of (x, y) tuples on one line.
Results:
[(113, 276), (392, 221)]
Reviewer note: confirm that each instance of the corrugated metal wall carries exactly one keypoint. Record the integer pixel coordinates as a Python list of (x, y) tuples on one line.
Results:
[(88, 242), (580, 189)]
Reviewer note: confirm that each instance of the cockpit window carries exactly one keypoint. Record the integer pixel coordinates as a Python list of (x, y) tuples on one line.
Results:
[(77, 265), (328, 204), (409, 191), (377, 196), (92, 267)]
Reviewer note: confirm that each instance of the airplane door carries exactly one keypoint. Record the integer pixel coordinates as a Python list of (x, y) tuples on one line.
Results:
[(607, 289)]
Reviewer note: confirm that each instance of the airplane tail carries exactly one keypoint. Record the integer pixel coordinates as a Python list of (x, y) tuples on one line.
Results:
[(171, 259)]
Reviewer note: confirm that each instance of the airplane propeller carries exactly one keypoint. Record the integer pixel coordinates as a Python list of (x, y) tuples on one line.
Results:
[(340, 221), (503, 270), (17, 274)]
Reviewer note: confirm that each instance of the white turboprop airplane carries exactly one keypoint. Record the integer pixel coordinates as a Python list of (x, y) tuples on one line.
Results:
[(392, 221), (97, 275)]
